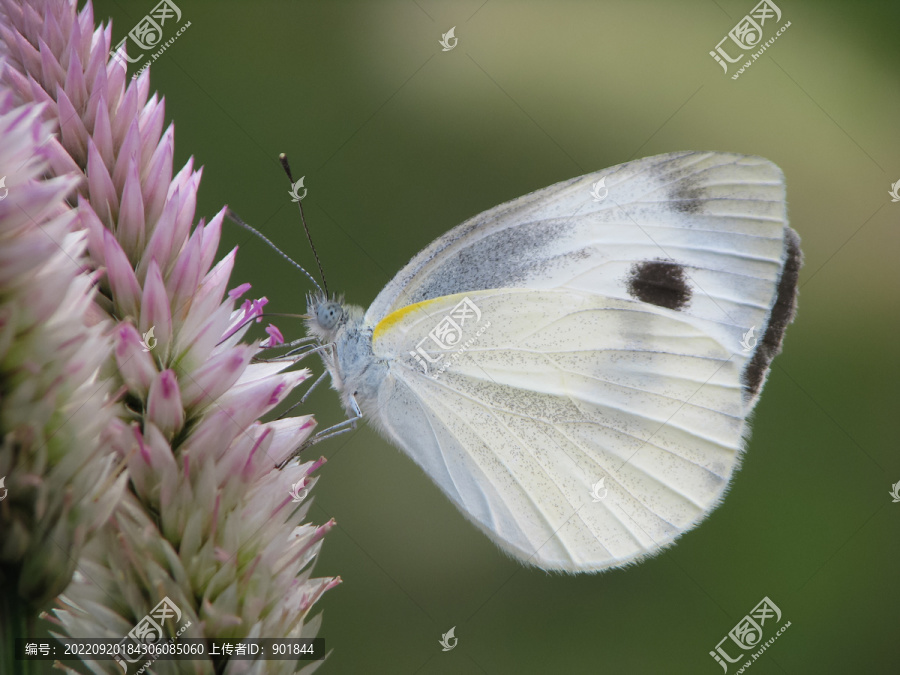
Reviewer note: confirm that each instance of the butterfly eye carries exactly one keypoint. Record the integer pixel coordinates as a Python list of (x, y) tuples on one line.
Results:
[(329, 314)]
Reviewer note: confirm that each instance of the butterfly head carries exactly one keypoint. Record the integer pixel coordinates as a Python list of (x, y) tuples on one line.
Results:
[(325, 316)]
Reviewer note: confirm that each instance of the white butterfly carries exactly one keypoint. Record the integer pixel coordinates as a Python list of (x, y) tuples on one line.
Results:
[(556, 340)]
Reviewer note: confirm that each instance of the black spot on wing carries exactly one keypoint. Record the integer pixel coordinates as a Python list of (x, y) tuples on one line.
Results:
[(659, 282), (782, 314), (686, 196)]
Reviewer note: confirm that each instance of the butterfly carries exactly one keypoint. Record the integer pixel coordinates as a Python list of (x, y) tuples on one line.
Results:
[(574, 368)]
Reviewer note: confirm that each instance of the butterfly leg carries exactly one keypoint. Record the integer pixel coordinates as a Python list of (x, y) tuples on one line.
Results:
[(310, 349), (306, 395), (293, 354), (340, 428), (295, 343)]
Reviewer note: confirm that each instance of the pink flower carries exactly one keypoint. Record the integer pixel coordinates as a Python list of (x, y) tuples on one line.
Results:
[(59, 433), (275, 337), (253, 309), (205, 521)]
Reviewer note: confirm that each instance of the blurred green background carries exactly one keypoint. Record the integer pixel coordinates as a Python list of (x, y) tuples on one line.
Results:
[(400, 141)]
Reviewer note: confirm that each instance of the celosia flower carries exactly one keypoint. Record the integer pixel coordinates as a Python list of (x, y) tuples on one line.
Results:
[(57, 418), (208, 521)]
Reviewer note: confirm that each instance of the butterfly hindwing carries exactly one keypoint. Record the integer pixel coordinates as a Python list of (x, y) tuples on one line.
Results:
[(553, 391)]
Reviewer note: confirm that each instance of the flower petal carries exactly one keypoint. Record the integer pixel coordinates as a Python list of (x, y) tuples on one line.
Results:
[(135, 363), (155, 311), (164, 408), (126, 291)]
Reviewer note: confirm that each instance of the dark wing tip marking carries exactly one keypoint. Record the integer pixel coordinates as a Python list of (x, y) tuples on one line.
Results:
[(659, 282), (782, 314), (686, 196)]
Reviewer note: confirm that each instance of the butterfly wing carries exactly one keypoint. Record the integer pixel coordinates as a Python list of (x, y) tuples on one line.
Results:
[(619, 347), (544, 393), (701, 233)]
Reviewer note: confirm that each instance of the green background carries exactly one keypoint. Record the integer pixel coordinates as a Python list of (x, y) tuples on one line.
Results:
[(400, 141)]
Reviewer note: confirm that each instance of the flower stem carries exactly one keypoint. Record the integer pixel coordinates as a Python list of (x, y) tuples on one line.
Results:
[(16, 621)]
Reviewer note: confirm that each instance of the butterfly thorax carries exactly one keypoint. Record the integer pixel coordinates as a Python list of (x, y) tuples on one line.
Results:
[(354, 369)]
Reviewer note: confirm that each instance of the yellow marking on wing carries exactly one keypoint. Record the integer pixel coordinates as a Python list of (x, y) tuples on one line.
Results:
[(395, 317)]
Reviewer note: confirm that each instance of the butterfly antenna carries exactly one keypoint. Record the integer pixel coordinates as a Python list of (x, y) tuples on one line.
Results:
[(287, 169), (237, 220)]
